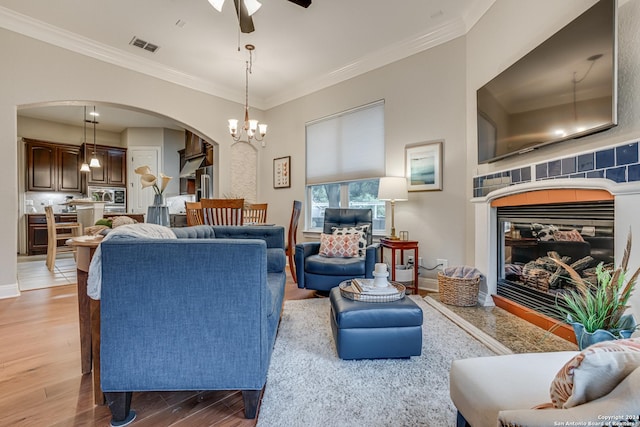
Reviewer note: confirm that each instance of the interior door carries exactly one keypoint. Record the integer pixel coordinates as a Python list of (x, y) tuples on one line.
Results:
[(140, 198)]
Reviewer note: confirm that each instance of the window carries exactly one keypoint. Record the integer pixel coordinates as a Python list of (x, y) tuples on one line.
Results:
[(345, 157)]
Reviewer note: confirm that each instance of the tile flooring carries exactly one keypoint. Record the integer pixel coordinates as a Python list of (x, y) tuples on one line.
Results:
[(34, 274)]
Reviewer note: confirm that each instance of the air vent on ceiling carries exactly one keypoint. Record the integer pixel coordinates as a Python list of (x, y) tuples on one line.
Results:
[(135, 41)]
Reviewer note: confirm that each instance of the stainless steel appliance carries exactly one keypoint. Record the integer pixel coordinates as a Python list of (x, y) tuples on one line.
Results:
[(204, 183), (115, 198)]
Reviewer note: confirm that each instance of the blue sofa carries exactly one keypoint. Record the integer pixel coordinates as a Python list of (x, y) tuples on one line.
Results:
[(197, 313)]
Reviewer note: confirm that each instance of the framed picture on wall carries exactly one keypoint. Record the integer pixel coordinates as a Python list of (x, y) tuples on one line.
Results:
[(282, 172), (423, 166)]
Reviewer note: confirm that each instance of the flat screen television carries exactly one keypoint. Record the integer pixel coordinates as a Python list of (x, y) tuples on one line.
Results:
[(565, 88)]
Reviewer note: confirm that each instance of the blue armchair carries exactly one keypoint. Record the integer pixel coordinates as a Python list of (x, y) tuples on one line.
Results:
[(321, 273)]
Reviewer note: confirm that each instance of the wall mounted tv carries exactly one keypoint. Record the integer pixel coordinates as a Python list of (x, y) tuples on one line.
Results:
[(565, 88)]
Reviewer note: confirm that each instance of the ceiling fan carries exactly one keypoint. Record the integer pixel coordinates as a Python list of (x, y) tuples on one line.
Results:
[(246, 8)]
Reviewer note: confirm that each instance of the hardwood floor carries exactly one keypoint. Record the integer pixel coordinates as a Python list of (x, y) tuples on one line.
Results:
[(41, 384)]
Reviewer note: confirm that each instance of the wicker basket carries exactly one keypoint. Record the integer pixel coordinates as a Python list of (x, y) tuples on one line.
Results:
[(458, 291)]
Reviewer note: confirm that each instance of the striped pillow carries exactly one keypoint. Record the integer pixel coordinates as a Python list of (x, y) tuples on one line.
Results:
[(594, 372)]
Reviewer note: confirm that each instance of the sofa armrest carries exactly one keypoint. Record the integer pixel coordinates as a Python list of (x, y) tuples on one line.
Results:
[(619, 405)]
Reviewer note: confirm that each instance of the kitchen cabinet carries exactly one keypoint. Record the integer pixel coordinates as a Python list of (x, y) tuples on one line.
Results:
[(113, 165), (37, 236), (194, 146), (53, 167)]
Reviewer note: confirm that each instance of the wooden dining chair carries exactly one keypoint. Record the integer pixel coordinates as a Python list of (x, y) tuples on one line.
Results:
[(256, 213), (194, 213), (222, 211), (292, 237), (57, 231)]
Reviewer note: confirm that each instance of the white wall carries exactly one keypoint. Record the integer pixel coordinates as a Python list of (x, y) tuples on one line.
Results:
[(34, 72), (45, 130), (424, 101), (509, 30)]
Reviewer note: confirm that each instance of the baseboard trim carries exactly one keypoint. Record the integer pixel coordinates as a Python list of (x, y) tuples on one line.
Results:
[(9, 291)]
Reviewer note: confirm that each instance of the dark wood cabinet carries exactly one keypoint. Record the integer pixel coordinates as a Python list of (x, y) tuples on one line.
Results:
[(113, 165), (53, 167), (37, 236), (194, 146)]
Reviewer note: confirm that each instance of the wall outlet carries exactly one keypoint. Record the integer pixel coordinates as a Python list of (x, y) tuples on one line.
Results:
[(442, 263)]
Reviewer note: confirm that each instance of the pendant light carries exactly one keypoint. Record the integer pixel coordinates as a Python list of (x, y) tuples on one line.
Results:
[(94, 163), (85, 166), (250, 129)]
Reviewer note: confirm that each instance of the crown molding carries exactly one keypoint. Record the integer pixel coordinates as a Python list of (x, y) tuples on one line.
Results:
[(53, 35), (392, 53), (50, 34)]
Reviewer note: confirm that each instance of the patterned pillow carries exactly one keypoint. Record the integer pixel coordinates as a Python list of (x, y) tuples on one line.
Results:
[(594, 372), (543, 233), (360, 230), (339, 246), (568, 236)]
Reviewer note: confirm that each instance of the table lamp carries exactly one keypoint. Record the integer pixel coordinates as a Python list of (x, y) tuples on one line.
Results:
[(393, 189)]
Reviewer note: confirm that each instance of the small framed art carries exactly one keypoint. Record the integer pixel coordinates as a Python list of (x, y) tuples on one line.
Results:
[(282, 172), (423, 166)]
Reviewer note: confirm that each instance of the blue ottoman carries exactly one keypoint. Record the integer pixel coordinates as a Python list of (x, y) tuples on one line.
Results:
[(371, 330)]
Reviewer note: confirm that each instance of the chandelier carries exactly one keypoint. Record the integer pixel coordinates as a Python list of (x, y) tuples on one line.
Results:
[(251, 128), (251, 5)]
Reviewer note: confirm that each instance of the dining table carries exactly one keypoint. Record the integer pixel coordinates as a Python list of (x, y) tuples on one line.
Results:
[(88, 312)]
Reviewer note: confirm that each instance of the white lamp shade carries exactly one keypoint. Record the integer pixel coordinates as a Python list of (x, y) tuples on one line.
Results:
[(217, 4), (85, 167), (393, 188), (263, 129), (94, 163)]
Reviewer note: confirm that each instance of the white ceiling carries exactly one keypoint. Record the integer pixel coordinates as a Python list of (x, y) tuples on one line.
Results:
[(298, 51)]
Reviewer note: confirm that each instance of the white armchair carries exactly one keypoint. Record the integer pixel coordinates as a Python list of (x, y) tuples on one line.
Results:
[(502, 390)]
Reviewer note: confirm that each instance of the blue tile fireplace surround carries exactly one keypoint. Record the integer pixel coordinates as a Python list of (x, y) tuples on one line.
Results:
[(619, 164)]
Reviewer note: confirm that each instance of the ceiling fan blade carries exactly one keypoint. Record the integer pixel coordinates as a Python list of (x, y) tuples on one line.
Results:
[(303, 3), (246, 22)]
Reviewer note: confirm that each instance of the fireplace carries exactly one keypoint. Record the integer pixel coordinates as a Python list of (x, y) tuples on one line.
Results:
[(581, 234), (495, 239)]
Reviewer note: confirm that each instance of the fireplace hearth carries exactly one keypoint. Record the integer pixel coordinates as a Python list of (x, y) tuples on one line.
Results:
[(490, 239), (581, 234)]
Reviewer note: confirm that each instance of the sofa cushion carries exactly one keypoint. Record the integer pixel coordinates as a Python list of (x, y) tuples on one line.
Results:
[(594, 372), (195, 232), (353, 267), (339, 246), (360, 230)]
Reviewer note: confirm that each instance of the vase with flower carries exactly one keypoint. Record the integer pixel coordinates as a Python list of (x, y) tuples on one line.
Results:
[(158, 212)]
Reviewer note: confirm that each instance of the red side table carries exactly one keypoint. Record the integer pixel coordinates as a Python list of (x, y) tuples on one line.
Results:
[(401, 245)]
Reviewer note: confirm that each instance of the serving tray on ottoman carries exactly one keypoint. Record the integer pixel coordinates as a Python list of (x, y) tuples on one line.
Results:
[(375, 331)]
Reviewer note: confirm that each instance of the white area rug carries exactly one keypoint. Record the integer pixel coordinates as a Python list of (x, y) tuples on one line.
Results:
[(309, 386)]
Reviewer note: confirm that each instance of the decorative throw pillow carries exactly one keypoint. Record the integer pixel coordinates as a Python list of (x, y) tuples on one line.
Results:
[(339, 246), (568, 236), (594, 372), (360, 230), (543, 233)]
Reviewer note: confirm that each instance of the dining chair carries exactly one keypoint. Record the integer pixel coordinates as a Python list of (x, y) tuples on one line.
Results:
[(256, 213), (292, 237), (194, 213), (222, 211), (57, 231)]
